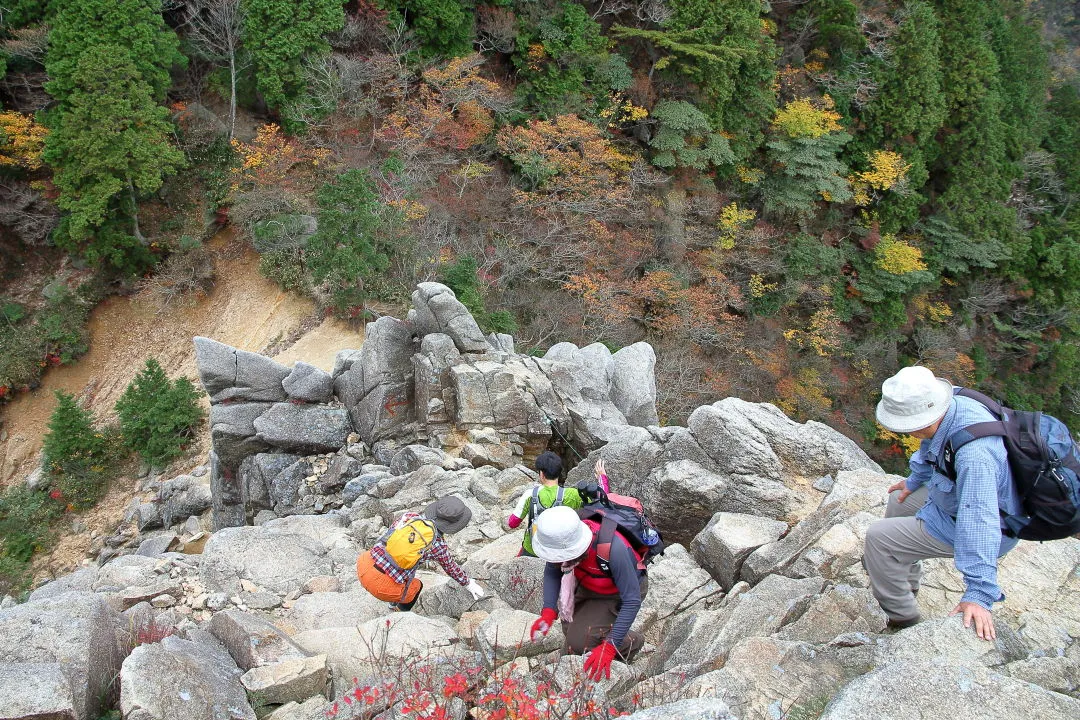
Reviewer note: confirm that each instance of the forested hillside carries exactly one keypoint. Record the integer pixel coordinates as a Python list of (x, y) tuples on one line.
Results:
[(789, 200)]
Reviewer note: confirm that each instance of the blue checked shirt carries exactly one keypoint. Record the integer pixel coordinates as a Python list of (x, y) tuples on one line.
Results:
[(965, 514)]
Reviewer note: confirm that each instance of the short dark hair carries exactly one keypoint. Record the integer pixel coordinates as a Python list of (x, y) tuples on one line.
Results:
[(549, 464)]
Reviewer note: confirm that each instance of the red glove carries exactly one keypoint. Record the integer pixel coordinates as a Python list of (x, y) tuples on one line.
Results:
[(599, 661), (540, 627)]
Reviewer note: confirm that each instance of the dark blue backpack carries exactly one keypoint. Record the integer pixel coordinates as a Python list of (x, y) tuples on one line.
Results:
[(1045, 464)]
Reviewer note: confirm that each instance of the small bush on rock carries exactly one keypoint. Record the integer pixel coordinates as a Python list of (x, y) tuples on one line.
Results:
[(158, 415)]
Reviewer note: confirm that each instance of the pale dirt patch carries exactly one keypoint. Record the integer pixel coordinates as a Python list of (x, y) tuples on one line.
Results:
[(243, 309), (320, 346)]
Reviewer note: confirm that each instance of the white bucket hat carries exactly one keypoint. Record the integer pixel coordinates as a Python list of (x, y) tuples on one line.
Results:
[(913, 399), (560, 535)]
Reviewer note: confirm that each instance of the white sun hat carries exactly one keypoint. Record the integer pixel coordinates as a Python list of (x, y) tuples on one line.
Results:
[(913, 399), (560, 535)]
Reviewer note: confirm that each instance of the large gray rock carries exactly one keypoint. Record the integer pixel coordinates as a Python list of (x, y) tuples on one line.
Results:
[(758, 439), (697, 638), (304, 428), (308, 383), (82, 579), (125, 571), (376, 385), (315, 708), (35, 691), (290, 680), (513, 396), (431, 371), (78, 630), (251, 641), (363, 651), (728, 540), (828, 541), (1060, 674), (506, 633), (691, 709), (947, 640), (231, 374), (926, 688), (840, 609), (321, 610), (676, 584), (270, 480), (582, 379), (766, 677), (182, 680), (232, 431), (437, 310), (182, 497), (633, 383), (276, 561)]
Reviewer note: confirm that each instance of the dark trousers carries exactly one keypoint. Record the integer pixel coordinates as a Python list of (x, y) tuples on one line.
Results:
[(594, 614)]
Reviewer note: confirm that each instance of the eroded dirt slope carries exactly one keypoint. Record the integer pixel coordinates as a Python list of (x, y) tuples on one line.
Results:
[(243, 309)]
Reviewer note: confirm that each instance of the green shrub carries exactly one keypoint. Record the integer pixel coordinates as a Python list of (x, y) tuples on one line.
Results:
[(77, 456), (461, 278), (25, 519), (63, 325), (285, 268), (11, 312), (21, 353), (157, 415)]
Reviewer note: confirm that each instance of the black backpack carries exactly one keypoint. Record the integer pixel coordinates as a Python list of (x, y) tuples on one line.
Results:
[(1045, 464), (621, 513)]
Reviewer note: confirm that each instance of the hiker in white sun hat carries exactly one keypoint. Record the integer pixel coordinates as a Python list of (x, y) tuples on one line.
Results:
[(913, 399), (937, 514), (596, 601)]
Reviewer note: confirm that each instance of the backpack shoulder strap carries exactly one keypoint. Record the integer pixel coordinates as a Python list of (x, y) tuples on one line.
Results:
[(559, 496), (602, 541), (946, 463), (533, 503), (985, 400)]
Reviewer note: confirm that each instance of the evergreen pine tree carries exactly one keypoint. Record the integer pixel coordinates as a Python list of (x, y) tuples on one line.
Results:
[(157, 415)]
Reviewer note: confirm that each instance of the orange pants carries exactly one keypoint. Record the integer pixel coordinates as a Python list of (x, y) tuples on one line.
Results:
[(382, 585)]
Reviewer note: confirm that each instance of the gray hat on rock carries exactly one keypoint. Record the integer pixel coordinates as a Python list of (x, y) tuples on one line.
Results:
[(913, 399), (449, 514)]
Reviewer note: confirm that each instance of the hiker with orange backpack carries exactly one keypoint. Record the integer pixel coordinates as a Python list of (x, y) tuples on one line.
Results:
[(595, 577), (388, 569)]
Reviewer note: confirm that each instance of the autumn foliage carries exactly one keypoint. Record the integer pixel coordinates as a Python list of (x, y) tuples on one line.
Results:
[(22, 141)]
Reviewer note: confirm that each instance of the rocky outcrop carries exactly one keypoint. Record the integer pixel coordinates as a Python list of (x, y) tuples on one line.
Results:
[(733, 457), (432, 381), (767, 614)]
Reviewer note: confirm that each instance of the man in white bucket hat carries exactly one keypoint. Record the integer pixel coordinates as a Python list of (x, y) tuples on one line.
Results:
[(929, 514), (597, 605)]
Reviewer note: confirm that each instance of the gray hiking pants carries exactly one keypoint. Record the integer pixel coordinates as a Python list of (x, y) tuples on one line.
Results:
[(594, 614), (894, 548)]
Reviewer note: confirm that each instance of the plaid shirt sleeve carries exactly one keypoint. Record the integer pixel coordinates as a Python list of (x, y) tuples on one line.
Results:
[(978, 522), (440, 553)]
